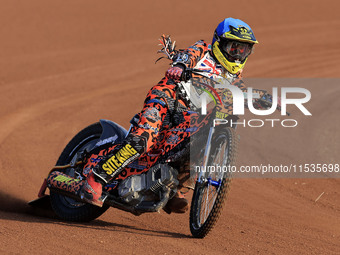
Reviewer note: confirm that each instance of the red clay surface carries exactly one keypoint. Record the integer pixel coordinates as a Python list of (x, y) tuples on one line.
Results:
[(66, 64)]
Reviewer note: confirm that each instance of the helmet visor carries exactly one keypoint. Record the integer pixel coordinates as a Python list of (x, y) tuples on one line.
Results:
[(237, 50)]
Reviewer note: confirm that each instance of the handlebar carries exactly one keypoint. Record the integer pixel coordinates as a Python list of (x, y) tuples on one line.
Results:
[(187, 75)]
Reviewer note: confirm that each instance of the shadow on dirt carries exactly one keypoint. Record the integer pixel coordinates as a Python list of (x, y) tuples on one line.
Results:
[(12, 206), (100, 225), (9, 203), (103, 225)]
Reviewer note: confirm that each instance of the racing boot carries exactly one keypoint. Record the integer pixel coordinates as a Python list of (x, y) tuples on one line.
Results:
[(177, 204), (92, 190), (109, 167)]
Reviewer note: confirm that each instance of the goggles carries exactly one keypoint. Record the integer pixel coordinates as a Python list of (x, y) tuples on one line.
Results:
[(237, 50)]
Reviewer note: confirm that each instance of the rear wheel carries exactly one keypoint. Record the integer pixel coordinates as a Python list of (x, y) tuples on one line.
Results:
[(210, 193), (67, 208)]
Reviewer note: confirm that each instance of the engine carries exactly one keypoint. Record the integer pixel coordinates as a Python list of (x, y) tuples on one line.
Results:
[(149, 186)]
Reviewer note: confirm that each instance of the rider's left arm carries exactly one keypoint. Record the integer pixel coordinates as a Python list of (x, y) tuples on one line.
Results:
[(189, 57), (266, 98)]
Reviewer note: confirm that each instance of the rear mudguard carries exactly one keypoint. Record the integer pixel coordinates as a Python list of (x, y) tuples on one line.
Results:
[(110, 129)]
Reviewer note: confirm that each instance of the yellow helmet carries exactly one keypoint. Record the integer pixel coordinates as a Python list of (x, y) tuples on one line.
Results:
[(232, 44)]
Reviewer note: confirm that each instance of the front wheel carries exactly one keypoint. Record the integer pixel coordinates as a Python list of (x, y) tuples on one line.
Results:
[(67, 208), (209, 194)]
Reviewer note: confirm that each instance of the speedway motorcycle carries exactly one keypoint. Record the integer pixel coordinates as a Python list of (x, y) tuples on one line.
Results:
[(141, 188)]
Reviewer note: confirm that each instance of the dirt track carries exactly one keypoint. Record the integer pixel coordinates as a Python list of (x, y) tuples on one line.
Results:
[(66, 64)]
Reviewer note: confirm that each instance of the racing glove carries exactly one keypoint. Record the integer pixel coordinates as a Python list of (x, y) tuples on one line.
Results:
[(266, 101), (175, 73)]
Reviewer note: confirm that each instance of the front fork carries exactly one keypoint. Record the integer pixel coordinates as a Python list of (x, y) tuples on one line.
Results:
[(202, 173)]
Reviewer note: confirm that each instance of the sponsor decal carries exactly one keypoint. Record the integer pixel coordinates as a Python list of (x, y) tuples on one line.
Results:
[(182, 58), (65, 179), (147, 126), (123, 157), (191, 129), (111, 139), (152, 114), (221, 115), (242, 32)]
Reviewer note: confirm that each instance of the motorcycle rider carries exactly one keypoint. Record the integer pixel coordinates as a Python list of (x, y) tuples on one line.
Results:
[(231, 46)]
